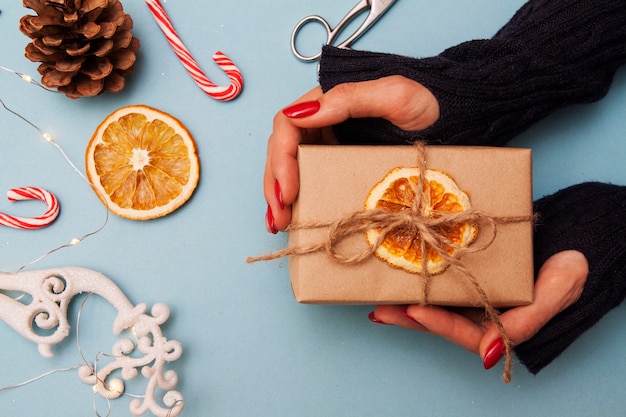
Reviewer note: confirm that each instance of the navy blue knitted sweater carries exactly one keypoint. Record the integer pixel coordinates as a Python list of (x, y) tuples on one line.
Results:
[(551, 54)]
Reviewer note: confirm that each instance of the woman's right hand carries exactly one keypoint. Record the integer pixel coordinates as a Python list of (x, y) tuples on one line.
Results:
[(403, 102)]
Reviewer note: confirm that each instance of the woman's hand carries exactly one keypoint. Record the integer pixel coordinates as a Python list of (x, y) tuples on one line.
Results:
[(403, 102), (559, 284), (410, 106)]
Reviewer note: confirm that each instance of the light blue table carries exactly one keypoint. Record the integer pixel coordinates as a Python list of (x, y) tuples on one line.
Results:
[(249, 348)]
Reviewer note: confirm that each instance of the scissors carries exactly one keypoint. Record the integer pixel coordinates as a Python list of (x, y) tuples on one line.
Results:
[(376, 9)]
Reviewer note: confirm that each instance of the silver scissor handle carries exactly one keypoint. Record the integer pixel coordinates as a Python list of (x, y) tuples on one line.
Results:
[(299, 26)]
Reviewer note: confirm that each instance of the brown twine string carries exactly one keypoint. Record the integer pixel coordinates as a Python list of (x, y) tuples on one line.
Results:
[(429, 228)]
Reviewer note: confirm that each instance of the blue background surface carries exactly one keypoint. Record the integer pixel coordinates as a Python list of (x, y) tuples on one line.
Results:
[(249, 348)]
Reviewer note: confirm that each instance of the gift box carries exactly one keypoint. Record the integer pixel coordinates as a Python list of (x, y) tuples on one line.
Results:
[(336, 180)]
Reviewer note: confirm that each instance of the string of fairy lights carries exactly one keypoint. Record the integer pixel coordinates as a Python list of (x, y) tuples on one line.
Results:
[(172, 400), (73, 242), (49, 139)]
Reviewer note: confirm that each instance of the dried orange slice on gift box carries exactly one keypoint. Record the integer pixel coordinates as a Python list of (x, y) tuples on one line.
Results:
[(142, 163), (397, 191)]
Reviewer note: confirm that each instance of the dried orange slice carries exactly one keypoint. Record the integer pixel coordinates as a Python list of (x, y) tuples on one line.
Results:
[(401, 248), (142, 163)]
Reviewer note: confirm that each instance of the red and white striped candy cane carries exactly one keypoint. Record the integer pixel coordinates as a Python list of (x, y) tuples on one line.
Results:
[(31, 193), (223, 93)]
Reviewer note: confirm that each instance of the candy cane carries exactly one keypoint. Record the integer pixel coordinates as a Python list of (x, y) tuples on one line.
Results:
[(223, 93), (31, 193)]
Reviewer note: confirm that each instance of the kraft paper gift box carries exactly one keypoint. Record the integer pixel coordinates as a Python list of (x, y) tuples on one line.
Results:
[(335, 181)]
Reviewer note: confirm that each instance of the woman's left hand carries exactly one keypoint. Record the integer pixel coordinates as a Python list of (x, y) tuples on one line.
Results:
[(559, 284)]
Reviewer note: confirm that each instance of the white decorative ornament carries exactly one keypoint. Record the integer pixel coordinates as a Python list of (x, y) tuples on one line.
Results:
[(51, 291)]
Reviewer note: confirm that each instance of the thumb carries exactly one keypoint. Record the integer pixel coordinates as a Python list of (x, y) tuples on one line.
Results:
[(404, 102), (559, 284)]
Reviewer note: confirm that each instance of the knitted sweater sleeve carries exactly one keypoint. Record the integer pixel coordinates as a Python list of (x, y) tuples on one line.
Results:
[(551, 54)]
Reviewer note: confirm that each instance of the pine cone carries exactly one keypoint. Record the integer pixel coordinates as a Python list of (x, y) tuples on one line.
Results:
[(85, 46)]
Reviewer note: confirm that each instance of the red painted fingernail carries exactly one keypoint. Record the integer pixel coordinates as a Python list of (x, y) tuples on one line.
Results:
[(269, 219), (279, 194), (303, 109), (405, 314), (373, 319), (494, 354)]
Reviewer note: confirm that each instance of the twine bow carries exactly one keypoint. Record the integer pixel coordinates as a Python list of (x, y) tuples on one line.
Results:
[(420, 221)]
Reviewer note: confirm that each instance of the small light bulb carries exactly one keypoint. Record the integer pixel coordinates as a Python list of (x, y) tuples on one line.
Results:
[(27, 78), (95, 388), (75, 242), (47, 137), (116, 386)]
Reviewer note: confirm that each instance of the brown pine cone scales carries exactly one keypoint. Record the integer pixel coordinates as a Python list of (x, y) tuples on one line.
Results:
[(85, 46)]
